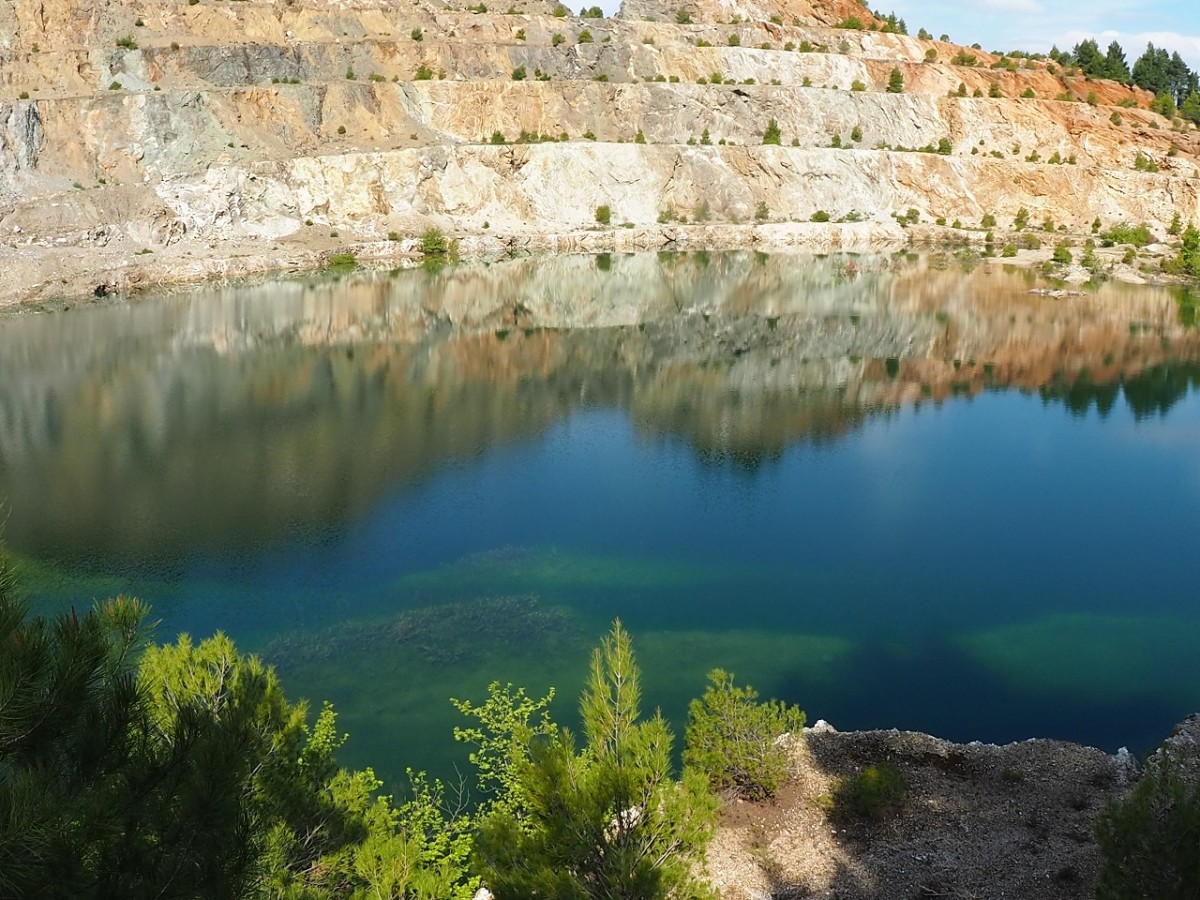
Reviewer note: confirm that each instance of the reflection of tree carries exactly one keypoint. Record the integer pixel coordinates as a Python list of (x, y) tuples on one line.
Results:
[(1152, 391)]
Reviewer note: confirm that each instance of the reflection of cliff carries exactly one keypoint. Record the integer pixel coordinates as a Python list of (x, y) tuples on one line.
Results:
[(209, 418)]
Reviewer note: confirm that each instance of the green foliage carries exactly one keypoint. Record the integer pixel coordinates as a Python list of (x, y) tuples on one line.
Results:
[(606, 821), (518, 74), (556, 39), (735, 40), (762, 212), (1144, 163), (870, 795), (435, 243), (1188, 260), (194, 777), (857, 86), (994, 91), (856, 133), (895, 81), (772, 135), (683, 17), (423, 73), (733, 741), (931, 55), (604, 214), (585, 37), (1176, 226), (853, 23), (1062, 255), (1148, 841), (127, 43), (1022, 219), (988, 221), (820, 216), (1028, 94), (560, 11), (1124, 233), (417, 34), (342, 261), (509, 723)]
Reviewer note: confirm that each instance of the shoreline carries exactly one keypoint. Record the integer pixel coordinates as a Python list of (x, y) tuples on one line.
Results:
[(40, 277)]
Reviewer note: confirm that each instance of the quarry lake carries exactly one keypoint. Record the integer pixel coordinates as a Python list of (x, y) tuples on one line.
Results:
[(897, 490)]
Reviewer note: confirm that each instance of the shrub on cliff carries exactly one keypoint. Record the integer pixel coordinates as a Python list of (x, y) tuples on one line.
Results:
[(733, 740), (606, 819), (895, 82), (772, 135), (604, 214), (1150, 840)]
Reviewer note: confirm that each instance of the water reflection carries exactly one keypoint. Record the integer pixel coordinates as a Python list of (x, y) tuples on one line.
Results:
[(225, 417)]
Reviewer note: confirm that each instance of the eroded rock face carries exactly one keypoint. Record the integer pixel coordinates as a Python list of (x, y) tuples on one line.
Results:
[(311, 124)]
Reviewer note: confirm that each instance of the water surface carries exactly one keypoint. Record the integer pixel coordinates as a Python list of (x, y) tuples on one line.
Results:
[(894, 491)]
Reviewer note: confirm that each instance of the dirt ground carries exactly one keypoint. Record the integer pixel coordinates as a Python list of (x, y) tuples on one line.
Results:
[(980, 822)]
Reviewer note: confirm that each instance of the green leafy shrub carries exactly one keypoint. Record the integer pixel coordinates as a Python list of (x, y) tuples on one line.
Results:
[(423, 73), (604, 214), (857, 85), (820, 216), (853, 23), (1062, 255), (417, 34), (895, 81), (127, 43), (772, 135), (585, 37), (342, 261), (735, 40), (1124, 233), (762, 212), (683, 17), (556, 39), (518, 74), (874, 792), (732, 739)]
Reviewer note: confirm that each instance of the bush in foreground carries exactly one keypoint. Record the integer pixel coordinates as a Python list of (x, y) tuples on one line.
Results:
[(1150, 840), (733, 740)]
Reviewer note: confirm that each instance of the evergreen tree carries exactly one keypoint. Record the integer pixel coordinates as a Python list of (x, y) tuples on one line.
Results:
[(606, 820), (1190, 108), (896, 82), (189, 777), (1088, 57), (1115, 65)]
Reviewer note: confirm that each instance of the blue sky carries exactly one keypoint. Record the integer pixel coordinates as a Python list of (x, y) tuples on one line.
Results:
[(1037, 24)]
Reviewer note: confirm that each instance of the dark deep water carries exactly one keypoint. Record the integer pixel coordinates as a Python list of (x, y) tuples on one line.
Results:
[(915, 496)]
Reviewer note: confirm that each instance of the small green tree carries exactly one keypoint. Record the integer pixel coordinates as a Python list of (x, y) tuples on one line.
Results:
[(604, 214), (733, 740), (772, 134), (1150, 840), (606, 820), (895, 82)]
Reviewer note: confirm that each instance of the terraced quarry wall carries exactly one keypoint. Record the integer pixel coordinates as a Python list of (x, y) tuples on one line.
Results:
[(206, 130)]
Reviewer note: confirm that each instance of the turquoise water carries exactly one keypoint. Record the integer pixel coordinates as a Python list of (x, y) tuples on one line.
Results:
[(914, 496)]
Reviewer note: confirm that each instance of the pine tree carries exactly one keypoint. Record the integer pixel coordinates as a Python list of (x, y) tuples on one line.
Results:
[(896, 82), (1115, 65), (606, 820)]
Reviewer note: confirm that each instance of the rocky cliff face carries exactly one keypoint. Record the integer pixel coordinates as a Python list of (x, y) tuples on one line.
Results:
[(280, 130)]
